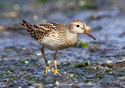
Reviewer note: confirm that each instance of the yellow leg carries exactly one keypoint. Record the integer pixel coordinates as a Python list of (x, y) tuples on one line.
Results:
[(56, 71), (47, 65)]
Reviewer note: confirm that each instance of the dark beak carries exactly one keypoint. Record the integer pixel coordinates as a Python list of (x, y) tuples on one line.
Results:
[(86, 32)]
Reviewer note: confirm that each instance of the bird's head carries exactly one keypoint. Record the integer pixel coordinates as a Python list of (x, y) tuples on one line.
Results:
[(78, 27)]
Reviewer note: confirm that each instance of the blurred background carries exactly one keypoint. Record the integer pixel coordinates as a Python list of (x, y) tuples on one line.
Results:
[(105, 17), (38, 11), (21, 62)]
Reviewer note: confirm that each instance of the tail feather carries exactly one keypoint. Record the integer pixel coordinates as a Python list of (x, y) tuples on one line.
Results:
[(22, 25), (30, 28), (27, 26), (24, 21)]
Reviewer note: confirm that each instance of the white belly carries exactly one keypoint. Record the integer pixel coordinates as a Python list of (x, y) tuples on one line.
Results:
[(56, 43)]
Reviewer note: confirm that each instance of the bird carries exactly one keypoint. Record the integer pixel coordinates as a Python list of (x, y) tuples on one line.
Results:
[(55, 36)]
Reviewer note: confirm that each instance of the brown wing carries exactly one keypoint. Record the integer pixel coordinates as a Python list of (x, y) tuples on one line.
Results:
[(36, 31), (39, 31)]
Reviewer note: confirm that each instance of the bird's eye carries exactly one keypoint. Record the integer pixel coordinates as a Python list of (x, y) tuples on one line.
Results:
[(77, 25)]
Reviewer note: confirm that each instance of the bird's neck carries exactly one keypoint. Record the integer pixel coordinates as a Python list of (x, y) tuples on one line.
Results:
[(72, 37)]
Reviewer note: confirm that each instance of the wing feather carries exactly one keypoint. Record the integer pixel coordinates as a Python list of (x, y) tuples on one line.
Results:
[(39, 31), (36, 31)]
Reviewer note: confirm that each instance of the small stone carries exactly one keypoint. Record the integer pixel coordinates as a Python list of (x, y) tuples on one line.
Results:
[(49, 62), (65, 72), (71, 75), (89, 83), (109, 61), (57, 83), (38, 54), (5, 59)]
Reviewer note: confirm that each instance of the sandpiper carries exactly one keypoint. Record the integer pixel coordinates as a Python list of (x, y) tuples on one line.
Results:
[(55, 36)]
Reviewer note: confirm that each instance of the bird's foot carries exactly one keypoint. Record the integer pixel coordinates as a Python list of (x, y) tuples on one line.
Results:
[(47, 66), (54, 71)]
